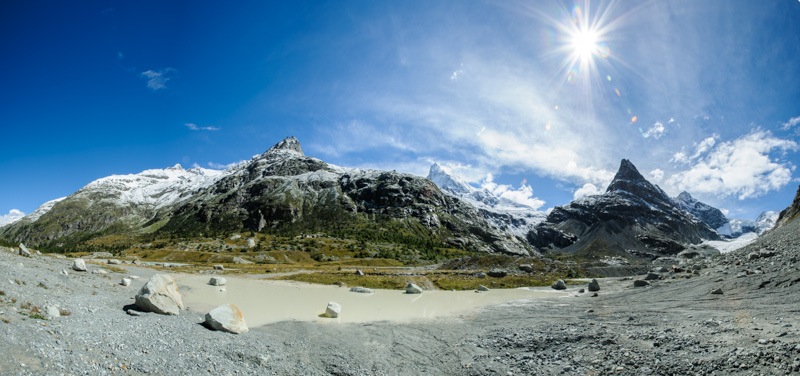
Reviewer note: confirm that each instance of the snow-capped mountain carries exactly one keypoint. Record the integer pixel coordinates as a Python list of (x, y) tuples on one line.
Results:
[(500, 212), (707, 214), (738, 227)]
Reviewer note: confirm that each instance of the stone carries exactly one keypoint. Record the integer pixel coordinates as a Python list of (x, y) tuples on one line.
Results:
[(497, 273), (361, 290), (100, 271), (251, 243), (64, 272), (640, 283), (581, 291), (226, 318), (135, 262), (23, 251), (359, 272), (219, 267), (413, 289), (717, 291), (594, 285), (217, 281), (133, 312), (333, 310), (753, 255), (652, 277), (559, 285), (114, 262), (79, 265), (239, 260), (52, 312), (160, 295), (483, 288), (125, 282), (480, 275), (526, 268)]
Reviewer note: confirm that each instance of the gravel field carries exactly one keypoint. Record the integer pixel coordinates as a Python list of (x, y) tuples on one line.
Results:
[(673, 326)]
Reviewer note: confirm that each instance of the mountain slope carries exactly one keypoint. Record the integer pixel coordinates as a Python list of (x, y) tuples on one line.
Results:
[(633, 218), (790, 213), (707, 214)]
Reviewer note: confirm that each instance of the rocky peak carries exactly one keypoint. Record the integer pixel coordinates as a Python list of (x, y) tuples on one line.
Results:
[(446, 181), (707, 214), (289, 144), (629, 180)]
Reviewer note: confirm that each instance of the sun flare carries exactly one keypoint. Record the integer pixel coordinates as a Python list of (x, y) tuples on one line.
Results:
[(585, 44)]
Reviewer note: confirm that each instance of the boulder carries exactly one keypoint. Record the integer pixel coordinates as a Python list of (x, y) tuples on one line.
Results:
[(333, 310), (64, 272), (526, 268), (125, 282), (361, 290), (217, 281), (594, 285), (79, 265), (114, 262), (160, 295), (219, 267), (413, 289), (640, 283), (559, 285), (652, 277), (23, 250), (497, 273), (226, 318), (359, 272), (251, 243), (52, 312), (100, 271), (239, 260), (483, 288), (717, 292)]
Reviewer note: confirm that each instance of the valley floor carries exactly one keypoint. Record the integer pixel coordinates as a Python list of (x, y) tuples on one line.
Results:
[(674, 326)]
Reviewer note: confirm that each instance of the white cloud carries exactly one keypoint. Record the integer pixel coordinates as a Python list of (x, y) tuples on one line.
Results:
[(700, 148), (791, 123), (656, 131), (671, 120), (195, 127), (588, 189), (743, 167), (12, 216), (657, 174), (456, 75), (157, 80), (522, 195)]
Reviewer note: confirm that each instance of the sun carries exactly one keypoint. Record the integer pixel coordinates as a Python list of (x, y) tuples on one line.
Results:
[(585, 44)]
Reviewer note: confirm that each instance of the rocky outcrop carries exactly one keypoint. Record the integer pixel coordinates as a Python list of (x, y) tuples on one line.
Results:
[(226, 318), (160, 295), (633, 219), (789, 214)]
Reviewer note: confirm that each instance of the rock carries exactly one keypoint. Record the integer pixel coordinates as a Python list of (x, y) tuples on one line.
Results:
[(219, 267), (226, 318), (594, 295), (333, 310), (125, 282), (480, 275), (135, 262), (133, 312), (413, 289), (652, 277), (482, 288), (133, 277), (594, 285), (64, 272), (359, 272), (217, 281), (114, 262), (79, 265), (52, 312), (497, 273), (717, 292), (581, 291), (239, 260), (559, 285), (23, 251), (753, 255), (100, 271), (361, 290), (526, 268), (160, 295), (251, 243), (640, 283)]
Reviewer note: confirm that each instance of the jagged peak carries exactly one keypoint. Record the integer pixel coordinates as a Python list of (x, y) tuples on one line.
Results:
[(289, 144), (176, 167), (686, 197), (626, 174), (447, 181)]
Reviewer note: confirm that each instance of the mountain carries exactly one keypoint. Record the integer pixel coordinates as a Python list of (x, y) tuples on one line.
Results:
[(707, 214), (633, 218), (789, 214), (503, 214), (282, 192), (738, 227)]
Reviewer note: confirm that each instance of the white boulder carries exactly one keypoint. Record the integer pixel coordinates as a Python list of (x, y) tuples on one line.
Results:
[(226, 318), (333, 310), (23, 250), (79, 265), (160, 295), (125, 282), (217, 281)]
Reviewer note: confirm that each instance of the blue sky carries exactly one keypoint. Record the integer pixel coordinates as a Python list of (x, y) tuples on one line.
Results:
[(539, 100)]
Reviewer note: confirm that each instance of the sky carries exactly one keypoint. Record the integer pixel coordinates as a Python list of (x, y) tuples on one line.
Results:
[(535, 100)]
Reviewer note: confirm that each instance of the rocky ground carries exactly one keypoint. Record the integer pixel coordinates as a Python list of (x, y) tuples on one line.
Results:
[(673, 326)]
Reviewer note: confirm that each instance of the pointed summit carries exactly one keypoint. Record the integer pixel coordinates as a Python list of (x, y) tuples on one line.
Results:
[(442, 178), (627, 177), (290, 144)]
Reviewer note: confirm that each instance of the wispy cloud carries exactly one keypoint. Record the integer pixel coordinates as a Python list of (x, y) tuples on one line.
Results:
[(195, 127), (747, 167), (656, 131), (157, 80), (791, 123), (522, 195)]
